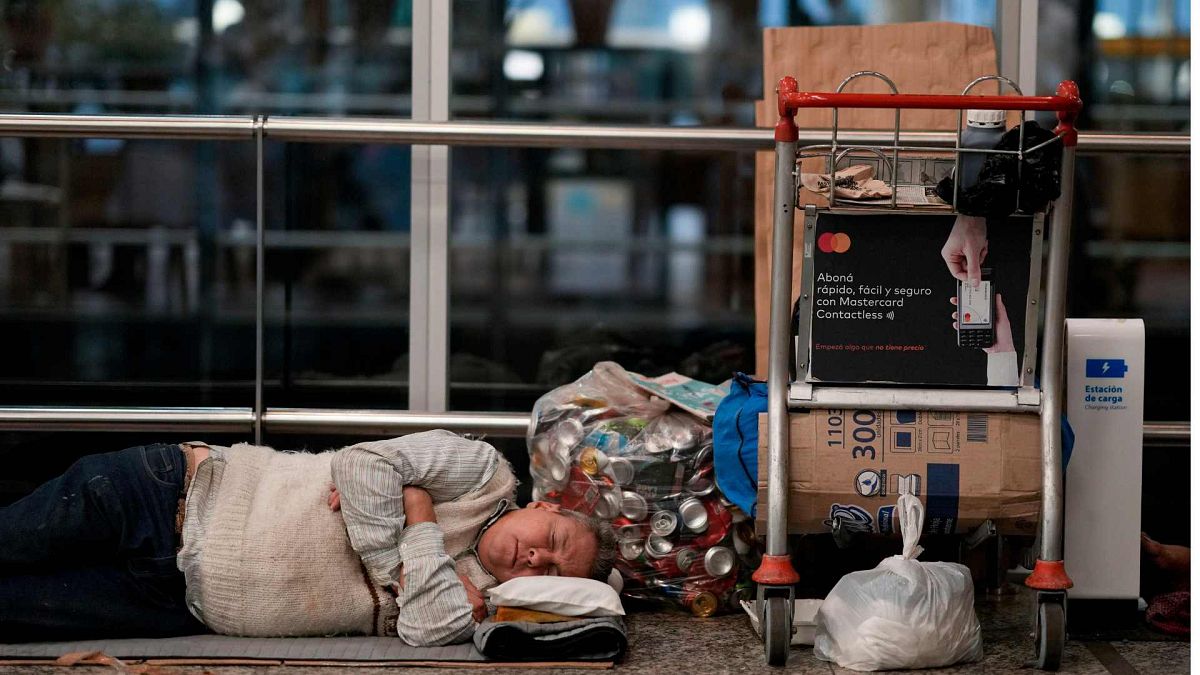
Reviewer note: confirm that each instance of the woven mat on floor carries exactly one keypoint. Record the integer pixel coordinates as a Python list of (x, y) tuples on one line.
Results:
[(221, 649)]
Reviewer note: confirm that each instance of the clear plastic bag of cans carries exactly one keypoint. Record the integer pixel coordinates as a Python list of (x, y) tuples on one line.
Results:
[(602, 447)]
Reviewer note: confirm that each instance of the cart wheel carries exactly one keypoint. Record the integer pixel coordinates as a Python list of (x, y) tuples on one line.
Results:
[(1051, 635), (777, 632)]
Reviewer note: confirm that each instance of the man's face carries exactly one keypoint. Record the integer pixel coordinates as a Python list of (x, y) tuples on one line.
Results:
[(537, 540)]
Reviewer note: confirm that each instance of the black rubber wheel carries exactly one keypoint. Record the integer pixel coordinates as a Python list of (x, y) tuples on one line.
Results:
[(1051, 635), (777, 633)]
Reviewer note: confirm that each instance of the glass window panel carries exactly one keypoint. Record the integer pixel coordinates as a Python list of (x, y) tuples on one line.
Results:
[(119, 280), (1135, 261), (562, 258), (1132, 249), (337, 275), (337, 294), (1132, 60), (334, 57)]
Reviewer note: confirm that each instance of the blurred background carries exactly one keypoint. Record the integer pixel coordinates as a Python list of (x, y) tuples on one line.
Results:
[(127, 268)]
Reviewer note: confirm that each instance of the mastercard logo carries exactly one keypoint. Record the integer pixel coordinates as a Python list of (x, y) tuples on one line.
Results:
[(834, 242)]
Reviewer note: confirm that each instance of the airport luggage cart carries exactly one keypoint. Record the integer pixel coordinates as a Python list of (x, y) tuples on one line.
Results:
[(776, 576)]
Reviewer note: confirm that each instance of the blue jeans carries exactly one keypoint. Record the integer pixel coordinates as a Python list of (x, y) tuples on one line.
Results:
[(91, 554)]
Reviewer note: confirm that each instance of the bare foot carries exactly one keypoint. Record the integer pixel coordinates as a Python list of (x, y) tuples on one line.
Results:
[(1173, 561)]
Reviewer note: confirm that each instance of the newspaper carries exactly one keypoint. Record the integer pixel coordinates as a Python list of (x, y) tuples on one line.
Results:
[(906, 195), (918, 195), (699, 398)]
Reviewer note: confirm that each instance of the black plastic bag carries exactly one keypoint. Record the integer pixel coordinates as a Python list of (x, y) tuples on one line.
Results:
[(995, 193)]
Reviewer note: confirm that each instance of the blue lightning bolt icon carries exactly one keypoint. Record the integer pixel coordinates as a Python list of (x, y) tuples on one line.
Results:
[(1114, 368)]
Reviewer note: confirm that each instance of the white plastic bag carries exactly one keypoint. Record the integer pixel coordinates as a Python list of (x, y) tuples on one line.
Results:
[(902, 614)]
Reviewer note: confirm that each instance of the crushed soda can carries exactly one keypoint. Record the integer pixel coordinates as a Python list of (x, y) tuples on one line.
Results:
[(702, 603), (701, 484), (664, 523), (719, 522), (658, 546), (621, 470), (592, 461), (694, 515), (719, 561), (633, 505), (609, 505)]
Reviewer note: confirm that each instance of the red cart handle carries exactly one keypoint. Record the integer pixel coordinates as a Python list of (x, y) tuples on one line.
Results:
[(1065, 102)]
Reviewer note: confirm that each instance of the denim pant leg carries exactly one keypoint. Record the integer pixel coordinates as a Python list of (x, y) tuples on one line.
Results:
[(114, 600), (92, 552), (102, 506)]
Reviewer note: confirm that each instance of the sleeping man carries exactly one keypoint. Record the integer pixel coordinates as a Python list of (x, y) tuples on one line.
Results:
[(397, 537)]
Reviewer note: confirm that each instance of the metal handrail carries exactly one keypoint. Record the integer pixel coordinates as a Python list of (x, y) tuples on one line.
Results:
[(212, 420), (385, 422), (508, 134), (334, 422)]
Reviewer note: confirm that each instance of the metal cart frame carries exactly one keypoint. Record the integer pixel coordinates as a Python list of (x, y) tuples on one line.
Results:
[(776, 576)]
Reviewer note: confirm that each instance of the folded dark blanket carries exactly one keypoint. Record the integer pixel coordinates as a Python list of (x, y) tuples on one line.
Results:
[(589, 639)]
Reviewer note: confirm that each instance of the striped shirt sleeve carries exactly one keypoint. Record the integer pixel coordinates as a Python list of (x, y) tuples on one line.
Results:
[(434, 609), (371, 478)]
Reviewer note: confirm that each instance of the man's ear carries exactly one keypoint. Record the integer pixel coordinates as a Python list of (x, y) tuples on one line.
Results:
[(547, 506)]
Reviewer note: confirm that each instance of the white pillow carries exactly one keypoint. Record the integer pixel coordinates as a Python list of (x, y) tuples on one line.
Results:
[(568, 596)]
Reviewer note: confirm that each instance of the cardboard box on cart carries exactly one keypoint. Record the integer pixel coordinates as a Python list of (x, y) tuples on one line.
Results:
[(965, 467)]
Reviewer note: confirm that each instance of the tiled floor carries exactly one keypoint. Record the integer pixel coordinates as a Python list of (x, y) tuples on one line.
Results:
[(678, 643)]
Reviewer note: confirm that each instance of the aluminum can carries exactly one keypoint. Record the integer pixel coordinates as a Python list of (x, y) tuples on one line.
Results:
[(659, 475), (718, 586), (664, 570), (541, 444), (658, 546), (632, 549), (656, 444), (683, 438), (685, 559), (550, 469), (744, 537), (702, 603), (567, 434), (719, 522), (701, 483), (694, 515), (592, 461), (664, 523), (609, 505), (703, 456), (625, 529), (633, 505), (621, 470), (545, 494), (719, 561), (582, 493), (589, 402)]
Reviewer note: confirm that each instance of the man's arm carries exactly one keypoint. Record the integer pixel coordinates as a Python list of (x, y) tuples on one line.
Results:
[(433, 603), (370, 479)]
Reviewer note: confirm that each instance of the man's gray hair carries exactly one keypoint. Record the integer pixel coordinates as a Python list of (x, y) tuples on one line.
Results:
[(606, 543)]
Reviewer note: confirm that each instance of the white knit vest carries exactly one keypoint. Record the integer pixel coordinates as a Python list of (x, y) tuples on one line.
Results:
[(276, 561)]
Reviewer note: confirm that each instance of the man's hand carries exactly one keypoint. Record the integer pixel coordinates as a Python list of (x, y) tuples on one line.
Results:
[(478, 606), (966, 248), (418, 506), (335, 498)]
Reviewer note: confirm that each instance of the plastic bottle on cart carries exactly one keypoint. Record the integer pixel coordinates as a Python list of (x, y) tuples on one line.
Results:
[(984, 130)]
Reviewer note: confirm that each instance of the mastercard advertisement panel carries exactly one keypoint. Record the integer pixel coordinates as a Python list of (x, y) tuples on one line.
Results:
[(886, 294)]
